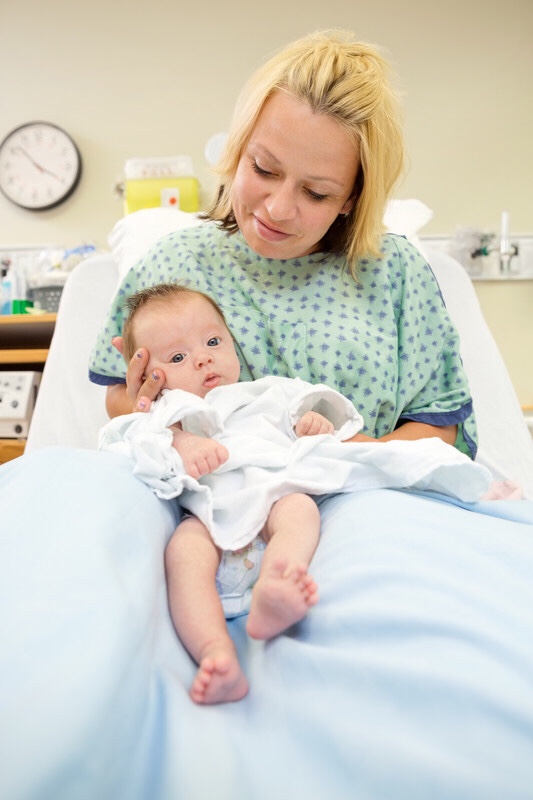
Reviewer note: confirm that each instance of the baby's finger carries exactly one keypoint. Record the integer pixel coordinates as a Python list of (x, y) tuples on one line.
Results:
[(222, 454), (303, 425)]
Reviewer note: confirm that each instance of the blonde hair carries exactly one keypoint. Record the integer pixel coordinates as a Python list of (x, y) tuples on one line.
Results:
[(162, 292), (349, 81)]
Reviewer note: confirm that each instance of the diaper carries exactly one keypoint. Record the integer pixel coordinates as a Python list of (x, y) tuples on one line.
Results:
[(236, 577)]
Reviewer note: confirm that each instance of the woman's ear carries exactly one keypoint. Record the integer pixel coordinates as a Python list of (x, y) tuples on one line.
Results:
[(347, 207)]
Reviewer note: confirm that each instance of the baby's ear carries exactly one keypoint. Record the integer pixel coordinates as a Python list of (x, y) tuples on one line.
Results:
[(118, 343)]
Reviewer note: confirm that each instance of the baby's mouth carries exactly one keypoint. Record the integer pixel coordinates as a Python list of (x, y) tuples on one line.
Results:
[(211, 380)]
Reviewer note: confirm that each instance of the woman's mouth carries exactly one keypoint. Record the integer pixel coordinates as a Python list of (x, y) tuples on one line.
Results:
[(269, 233)]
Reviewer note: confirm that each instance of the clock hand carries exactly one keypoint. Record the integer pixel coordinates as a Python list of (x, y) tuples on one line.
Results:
[(38, 166)]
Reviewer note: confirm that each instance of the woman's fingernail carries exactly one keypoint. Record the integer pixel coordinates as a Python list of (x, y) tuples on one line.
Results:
[(141, 405), (139, 354), (155, 376)]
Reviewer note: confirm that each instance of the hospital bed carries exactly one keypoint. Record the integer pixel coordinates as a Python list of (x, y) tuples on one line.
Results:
[(411, 678)]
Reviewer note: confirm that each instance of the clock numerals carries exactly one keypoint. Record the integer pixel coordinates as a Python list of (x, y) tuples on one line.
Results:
[(40, 166)]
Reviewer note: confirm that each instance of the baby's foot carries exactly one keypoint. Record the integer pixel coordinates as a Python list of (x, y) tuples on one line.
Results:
[(219, 678), (279, 600)]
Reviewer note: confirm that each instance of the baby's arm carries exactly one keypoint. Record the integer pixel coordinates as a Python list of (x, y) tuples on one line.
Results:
[(312, 424), (199, 454)]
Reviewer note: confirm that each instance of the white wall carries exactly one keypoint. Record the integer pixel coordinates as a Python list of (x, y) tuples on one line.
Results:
[(149, 79), (139, 79)]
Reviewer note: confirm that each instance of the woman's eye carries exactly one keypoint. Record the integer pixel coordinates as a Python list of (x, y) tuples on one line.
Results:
[(213, 341), (316, 196), (178, 358), (266, 174), (259, 170)]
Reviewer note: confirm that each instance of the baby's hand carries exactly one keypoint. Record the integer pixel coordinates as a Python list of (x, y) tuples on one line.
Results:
[(200, 456), (312, 424)]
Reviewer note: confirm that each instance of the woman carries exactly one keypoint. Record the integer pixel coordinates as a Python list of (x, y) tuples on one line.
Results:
[(293, 251)]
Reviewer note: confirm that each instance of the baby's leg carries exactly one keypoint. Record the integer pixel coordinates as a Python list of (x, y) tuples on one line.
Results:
[(284, 591), (191, 561)]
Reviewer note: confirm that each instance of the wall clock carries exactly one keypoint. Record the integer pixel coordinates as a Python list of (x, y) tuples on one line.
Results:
[(40, 166)]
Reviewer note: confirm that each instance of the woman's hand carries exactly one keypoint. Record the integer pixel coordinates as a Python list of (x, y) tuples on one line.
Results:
[(410, 431), (142, 390), (138, 393)]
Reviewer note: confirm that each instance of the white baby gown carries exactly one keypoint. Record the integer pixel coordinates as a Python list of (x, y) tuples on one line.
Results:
[(255, 421)]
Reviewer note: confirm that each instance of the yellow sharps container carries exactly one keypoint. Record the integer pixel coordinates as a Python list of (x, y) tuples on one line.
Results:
[(160, 182)]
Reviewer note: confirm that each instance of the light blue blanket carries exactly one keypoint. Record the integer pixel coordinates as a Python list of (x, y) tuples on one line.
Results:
[(412, 678)]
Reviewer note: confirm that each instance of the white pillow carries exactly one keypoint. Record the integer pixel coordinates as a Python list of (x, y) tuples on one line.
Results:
[(134, 234), (407, 217)]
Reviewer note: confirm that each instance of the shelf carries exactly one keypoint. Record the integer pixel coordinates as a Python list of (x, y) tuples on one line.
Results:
[(512, 278), (34, 356), (27, 319), (11, 448), (28, 326), (25, 338)]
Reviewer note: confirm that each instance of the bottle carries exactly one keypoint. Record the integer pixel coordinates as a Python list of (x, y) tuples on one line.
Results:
[(7, 287), (18, 287)]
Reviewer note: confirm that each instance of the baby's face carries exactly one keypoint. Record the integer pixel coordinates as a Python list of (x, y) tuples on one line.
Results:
[(189, 342)]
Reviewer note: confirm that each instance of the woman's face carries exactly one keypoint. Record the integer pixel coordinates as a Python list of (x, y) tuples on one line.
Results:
[(294, 178)]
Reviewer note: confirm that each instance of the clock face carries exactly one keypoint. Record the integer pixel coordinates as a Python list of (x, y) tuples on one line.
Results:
[(40, 166)]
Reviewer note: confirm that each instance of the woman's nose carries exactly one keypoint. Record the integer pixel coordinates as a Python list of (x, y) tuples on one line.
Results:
[(281, 203)]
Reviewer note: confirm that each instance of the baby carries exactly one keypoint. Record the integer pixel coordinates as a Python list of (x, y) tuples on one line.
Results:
[(186, 336)]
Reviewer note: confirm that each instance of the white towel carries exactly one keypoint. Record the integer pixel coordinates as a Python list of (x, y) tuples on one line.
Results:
[(255, 421)]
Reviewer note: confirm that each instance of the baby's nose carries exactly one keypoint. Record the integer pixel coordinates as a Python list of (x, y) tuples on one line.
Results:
[(204, 357)]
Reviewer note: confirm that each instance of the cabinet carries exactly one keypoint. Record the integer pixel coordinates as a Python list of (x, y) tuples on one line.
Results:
[(24, 343)]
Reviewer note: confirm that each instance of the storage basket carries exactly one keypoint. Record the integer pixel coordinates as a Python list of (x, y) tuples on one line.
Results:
[(46, 297)]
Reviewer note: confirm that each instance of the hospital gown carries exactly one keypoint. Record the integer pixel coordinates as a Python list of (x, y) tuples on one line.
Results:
[(384, 340)]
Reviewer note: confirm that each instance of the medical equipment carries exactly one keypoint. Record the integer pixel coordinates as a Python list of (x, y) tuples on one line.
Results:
[(160, 182), (18, 393)]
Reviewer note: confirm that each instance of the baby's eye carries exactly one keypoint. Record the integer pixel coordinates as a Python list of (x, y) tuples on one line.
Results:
[(213, 341), (177, 358)]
